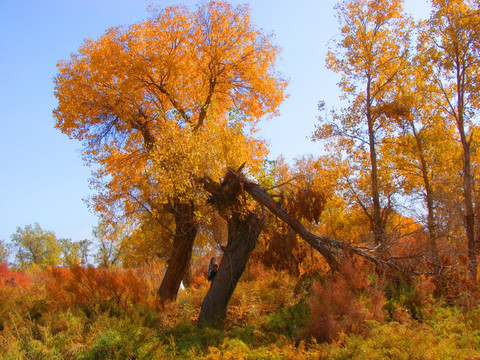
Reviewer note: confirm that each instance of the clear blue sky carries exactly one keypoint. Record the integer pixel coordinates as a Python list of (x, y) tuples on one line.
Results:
[(42, 176)]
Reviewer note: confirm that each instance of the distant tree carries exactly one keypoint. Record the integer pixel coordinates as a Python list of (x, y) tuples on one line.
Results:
[(449, 46), (35, 246), (4, 252), (109, 240), (424, 156), (74, 252)]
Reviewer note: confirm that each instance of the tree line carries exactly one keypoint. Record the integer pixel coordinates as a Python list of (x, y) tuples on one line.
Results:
[(32, 246)]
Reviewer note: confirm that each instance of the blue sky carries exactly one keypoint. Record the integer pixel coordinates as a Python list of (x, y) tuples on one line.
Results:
[(42, 176)]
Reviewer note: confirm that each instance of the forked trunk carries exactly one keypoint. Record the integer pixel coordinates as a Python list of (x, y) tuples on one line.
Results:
[(243, 232), (179, 262)]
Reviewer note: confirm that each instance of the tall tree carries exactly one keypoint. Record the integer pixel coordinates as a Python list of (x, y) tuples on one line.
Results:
[(422, 154), (450, 46), (138, 91), (372, 52)]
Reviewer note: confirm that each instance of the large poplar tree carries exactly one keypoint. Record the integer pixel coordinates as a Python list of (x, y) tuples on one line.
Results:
[(140, 96)]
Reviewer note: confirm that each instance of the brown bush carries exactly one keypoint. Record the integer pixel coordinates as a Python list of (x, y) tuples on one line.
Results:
[(344, 303)]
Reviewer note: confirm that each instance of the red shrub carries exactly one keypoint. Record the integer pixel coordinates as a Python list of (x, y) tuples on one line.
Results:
[(94, 289), (12, 278)]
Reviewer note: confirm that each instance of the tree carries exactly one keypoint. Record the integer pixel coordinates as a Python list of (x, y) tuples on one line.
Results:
[(244, 227), (372, 53), (109, 239), (35, 246), (450, 47), (423, 155), (4, 252), (138, 91), (74, 252)]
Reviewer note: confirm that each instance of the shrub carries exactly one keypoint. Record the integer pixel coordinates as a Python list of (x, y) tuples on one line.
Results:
[(10, 278), (94, 290), (288, 321), (410, 300), (344, 303), (258, 293)]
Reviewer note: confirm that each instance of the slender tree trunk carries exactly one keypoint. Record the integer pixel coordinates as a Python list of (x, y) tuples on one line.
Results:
[(469, 214), (432, 229), (243, 232), (179, 262), (378, 228), (468, 185)]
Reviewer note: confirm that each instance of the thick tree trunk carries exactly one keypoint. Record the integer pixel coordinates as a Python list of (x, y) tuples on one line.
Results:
[(187, 278), (243, 232), (179, 262)]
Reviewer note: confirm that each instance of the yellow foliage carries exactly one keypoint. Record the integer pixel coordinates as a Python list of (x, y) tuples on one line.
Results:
[(161, 102)]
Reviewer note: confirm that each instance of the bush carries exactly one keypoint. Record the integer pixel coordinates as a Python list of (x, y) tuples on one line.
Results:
[(412, 300), (341, 317), (288, 321), (95, 290), (344, 303)]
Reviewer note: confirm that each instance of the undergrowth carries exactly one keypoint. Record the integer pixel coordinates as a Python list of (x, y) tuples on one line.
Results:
[(78, 313)]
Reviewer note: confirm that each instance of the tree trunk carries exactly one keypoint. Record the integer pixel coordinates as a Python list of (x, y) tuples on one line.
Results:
[(377, 225), (187, 278), (243, 232), (179, 262), (468, 182), (469, 215), (431, 222)]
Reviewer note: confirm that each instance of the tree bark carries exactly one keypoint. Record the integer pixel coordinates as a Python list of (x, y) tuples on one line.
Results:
[(469, 211), (179, 262), (187, 278), (243, 232)]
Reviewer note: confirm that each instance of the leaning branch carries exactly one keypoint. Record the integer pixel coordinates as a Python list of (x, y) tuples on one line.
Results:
[(329, 248)]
